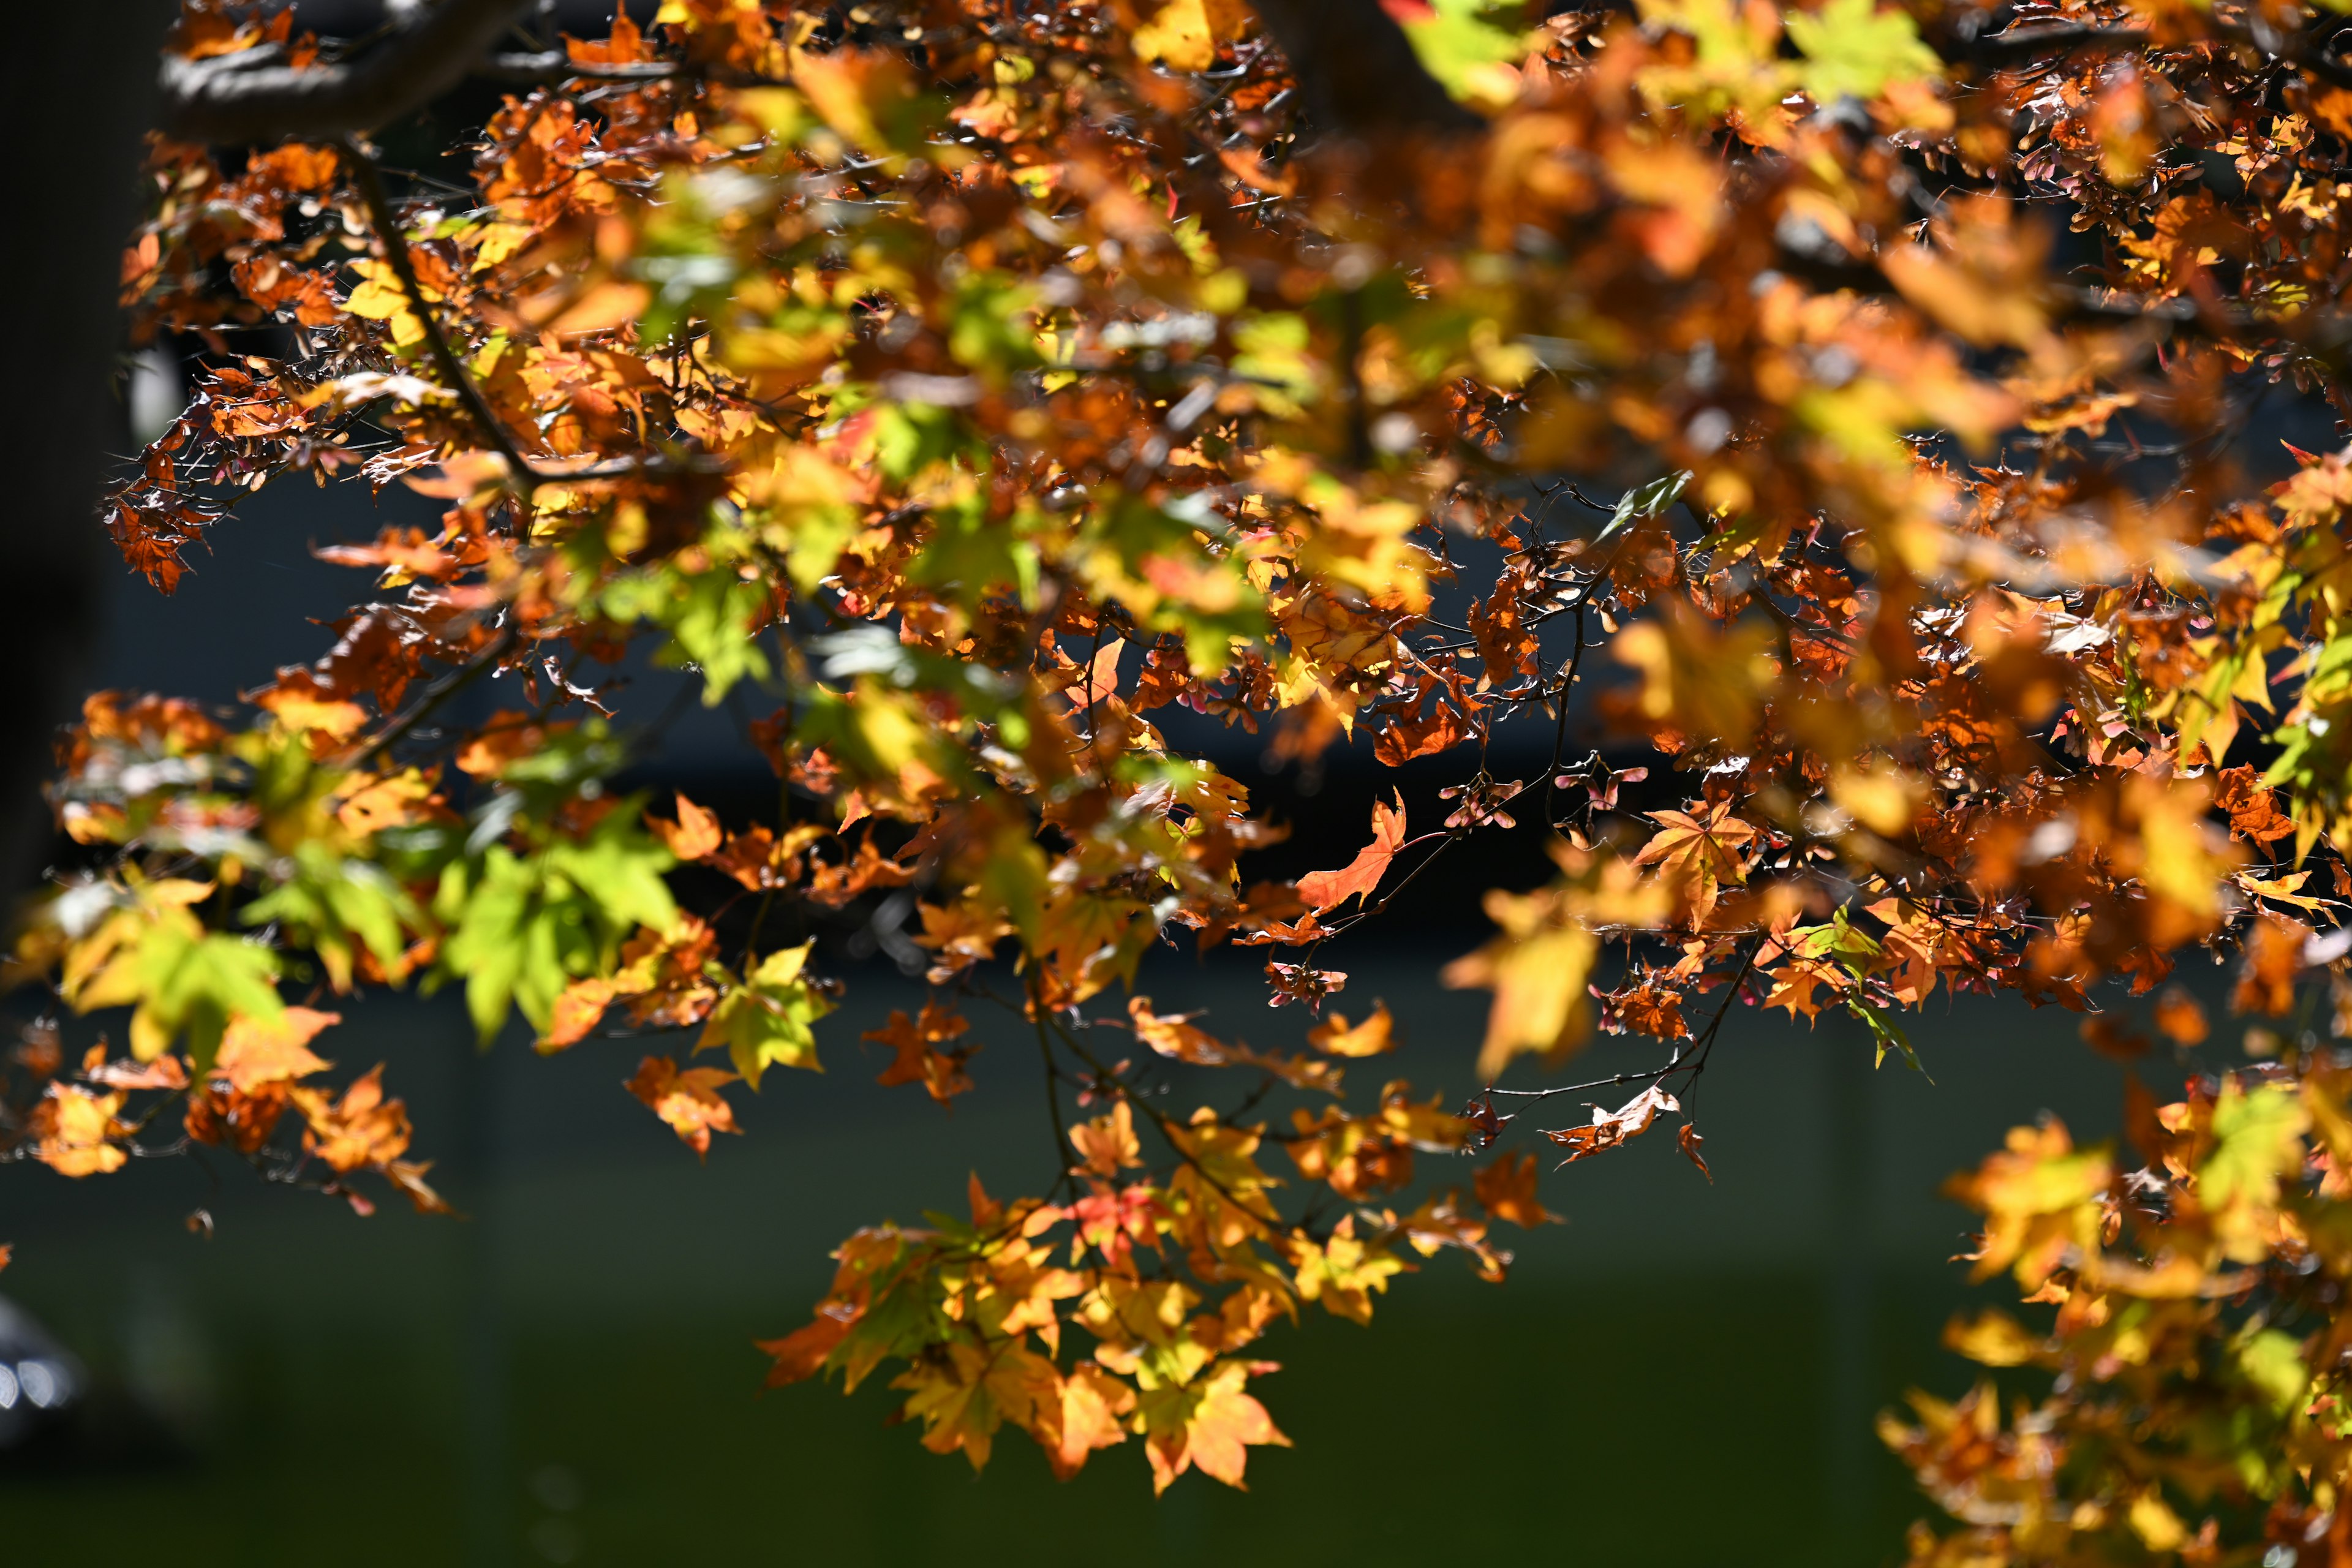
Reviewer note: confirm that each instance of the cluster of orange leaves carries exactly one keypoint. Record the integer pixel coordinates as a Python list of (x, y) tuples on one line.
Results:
[(1007, 391)]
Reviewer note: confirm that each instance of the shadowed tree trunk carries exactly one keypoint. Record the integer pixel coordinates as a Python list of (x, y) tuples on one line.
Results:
[(76, 90)]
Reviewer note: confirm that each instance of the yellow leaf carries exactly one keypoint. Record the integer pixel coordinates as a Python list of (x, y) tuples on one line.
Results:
[(1178, 37), (1538, 974)]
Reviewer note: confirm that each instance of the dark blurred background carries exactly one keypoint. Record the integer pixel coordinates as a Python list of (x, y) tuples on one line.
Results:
[(1682, 1374)]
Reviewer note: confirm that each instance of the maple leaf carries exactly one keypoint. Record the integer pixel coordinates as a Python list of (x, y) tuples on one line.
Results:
[(1537, 969), (1212, 1422), (1648, 1009), (2274, 950), (919, 1060), (1795, 983), (1342, 1271), (576, 1013), (1698, 854), (1322, 890), (2038, 1199), (964, 1395), (1853, 49), (1687, 1139), (1089, 1414), (768, 1019), (1506, 1189), (362, 1129), (689, 1100), (1108, 1143), (1374, 1036), (693, 835), (1174, 1035), (254, 1052), (1303, 982), (78, 1132), (1610, 1127)]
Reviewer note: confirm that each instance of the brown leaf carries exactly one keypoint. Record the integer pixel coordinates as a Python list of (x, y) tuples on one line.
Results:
[(1688, 1139), (1610, 1127)]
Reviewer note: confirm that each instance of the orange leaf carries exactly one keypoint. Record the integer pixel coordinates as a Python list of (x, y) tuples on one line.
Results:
[(695, 834), (689, 1100), (799, 1354), (1373, 1037), (1086, 1416), (253, 1053), (1506, 1189), (362, 1129), (1108, 1142), (575, 1012), (1329, 889), (1211, 1423), (2178, 1017), (919, 1061)]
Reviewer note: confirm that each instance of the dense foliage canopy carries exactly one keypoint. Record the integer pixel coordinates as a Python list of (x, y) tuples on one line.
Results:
[(1840, 432)]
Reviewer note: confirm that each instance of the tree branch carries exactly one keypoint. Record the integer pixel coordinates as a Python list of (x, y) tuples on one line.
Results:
[(233, 98)]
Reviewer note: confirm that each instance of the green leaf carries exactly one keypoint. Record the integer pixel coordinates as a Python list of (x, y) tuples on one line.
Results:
[(1887, 1034), (767, 1020), (2272, 1362), (337, 905), (193, 983), (525, 927), (1854, 49), (1459, 37)]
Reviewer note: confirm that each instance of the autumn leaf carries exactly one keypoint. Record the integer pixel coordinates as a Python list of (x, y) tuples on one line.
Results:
[(1322, 890), (963, 1397), (1212, 1422), (362, 1129), (693, 835), (1336, 1037), (1089, 1416), (76, 1131), (918, 1058), (1506, 1189), (1537, 969), (1688, 1139), (688, 1099), (2038, 1196), (254, 1053), (1608, 1129), (576, 1013), (767, 1020), (1108, 1143), (1698, 854), (2178, 1017)]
